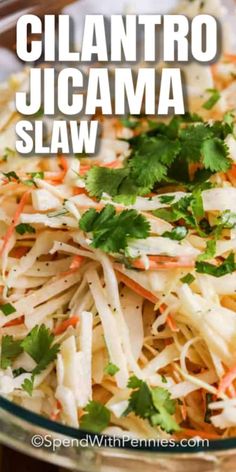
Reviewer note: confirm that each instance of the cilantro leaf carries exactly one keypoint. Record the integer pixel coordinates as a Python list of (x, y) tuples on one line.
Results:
[(163, 154), (38, 175), (7, 309), (178, 233), (215, 155), (23, 228), (96, 418), (153, 404), (10, 349), (19, 371), (196, 204), (8, 153), (229, 118), (28, 386), (38, 344), (134, 382), (165, 408), (209, 251), (227, 219), (227, 267), (112, 231), (166, 199), (111, 369), (130, 122), (214, 98), (101, 180), (192, 138), (151, 159), (11, 176), (140, 401), (187, 279)]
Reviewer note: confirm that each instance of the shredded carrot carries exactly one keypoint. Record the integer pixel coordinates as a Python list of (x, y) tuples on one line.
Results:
[(183, 410), (18, 252), (15, 219), (230, 57), (113, 165), (77, 261), (191, 433), (79, 191), (63, 163), (136, 287), (232, 172), (16, 322), (55, 415), (227, 380), (171, 323), (214, 68), (84, 169), (65, 324), (164, 263)]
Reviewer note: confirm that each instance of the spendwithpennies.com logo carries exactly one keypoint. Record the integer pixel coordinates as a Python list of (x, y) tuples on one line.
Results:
[(53, 443)]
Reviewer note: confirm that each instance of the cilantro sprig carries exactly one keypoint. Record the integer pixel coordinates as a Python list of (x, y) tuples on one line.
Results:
[(227, 267), (23, 228), (38, 344), (178, 233), (96, 417), (153, 404), (111, 232), (212, 100), (10, 350), (163, 155), (111, 369), (7, 309)]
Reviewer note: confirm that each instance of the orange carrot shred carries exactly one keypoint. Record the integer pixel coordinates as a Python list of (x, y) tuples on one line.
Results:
[(136, 287), (171, 323), (63, 163), (77, 261), (227, 380), (65, 324), (16, 322), (18, 252), (186, 432)]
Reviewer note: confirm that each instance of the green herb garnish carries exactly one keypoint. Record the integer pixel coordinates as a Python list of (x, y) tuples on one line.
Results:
[(111, 232)]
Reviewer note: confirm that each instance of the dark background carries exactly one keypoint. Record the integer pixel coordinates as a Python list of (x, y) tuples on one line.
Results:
[(10, 461)]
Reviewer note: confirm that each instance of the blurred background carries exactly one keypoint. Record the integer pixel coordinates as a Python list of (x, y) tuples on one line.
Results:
[(11, 10)]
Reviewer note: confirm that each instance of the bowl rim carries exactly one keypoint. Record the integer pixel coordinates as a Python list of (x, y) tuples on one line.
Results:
[(34, 419)]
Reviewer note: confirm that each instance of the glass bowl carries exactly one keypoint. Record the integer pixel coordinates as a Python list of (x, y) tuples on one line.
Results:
[(33, 434), (26, 431)]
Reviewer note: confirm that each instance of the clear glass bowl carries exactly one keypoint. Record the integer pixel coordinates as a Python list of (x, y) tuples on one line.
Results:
[(18, 426)]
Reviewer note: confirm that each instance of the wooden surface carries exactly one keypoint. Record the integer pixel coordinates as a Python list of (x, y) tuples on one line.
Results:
[(10, 461)]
